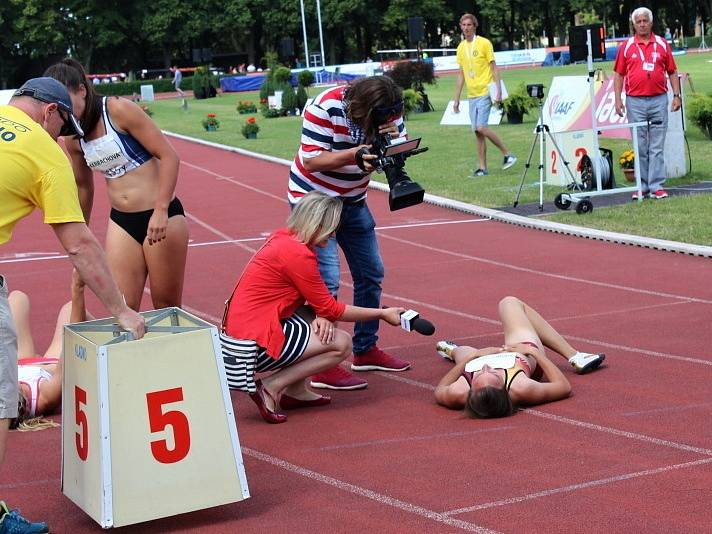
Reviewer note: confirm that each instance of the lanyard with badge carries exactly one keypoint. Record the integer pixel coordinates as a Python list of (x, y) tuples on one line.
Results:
[(648, 66), (468, 46)]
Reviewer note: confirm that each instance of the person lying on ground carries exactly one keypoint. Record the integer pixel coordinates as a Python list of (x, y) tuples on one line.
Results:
[(494, 381), (261, 324), (40, 377)]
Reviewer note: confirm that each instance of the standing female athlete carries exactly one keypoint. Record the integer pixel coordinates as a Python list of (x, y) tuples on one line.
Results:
[(147, 235)]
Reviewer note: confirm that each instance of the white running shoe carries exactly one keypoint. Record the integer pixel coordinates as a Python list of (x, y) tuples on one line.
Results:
[(584, 362), (509, 161), (445, 349)]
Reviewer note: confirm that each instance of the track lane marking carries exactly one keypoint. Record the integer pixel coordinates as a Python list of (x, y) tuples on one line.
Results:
[(366, 493), (576, 487)]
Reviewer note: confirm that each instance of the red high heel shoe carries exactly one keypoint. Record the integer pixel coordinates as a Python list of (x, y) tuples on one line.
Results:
[(259, 399), (290, 403)]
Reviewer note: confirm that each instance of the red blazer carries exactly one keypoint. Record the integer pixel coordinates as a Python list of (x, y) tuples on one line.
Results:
[(279, 278)]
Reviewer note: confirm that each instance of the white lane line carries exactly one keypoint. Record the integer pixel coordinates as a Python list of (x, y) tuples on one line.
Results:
[(21, 257), (575, 422), (282, 198), (544, 273), (391, 441), (668, 409), (619, 433), (220, 233), (595, 342), (576, 487), (366, 493)]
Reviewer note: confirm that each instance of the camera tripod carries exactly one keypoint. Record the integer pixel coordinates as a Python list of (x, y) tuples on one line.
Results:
[(541, 133)]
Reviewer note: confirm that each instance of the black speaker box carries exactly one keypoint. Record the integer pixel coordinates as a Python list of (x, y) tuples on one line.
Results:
[(416, 30), (286, 47)]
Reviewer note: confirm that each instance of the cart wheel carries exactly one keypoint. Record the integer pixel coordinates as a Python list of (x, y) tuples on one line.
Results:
[(588, 180), (561, 202), (585, 206)]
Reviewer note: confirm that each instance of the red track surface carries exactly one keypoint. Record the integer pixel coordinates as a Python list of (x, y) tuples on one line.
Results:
[(631, 451)]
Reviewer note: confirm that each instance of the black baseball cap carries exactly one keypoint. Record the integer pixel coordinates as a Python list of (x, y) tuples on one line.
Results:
[(52, 91)]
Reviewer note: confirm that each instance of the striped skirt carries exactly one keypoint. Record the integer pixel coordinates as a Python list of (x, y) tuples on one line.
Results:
[(244, 357)]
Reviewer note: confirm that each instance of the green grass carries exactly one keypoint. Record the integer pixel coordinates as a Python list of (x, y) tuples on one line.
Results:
[(446, 168)]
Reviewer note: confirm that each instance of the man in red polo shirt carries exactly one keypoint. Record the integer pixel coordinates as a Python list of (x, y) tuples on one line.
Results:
[(643, 62)]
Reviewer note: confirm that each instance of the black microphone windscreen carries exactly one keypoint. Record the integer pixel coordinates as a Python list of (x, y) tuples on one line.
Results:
[(422, 326)]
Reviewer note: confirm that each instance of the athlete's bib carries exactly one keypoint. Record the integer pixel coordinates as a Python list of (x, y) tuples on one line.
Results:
[(105, 155), (500, 360)]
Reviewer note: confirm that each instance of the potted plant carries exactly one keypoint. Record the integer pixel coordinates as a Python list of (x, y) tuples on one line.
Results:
[(627, 163), (246, 106), (412, 101), (517, 104), (699, 110), (211, 123), (250, 128)]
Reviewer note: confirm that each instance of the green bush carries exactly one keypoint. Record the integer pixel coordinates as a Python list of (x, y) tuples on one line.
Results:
[(699, 110), (271, 113), (412, 101), (517, 104), (281, 74), (129, 88), (266, 89), (302, 96), (205, 83), (305, 78), (289, 99), (412, 74)]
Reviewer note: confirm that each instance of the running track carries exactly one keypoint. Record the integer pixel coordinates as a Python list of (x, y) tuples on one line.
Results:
[(630, 451)]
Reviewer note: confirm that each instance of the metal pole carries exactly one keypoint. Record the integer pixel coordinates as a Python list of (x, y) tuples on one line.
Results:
[(321, 37), (304, 31), (594, 126)]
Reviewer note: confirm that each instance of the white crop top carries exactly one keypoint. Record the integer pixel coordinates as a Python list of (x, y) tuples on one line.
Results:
[(115, 153), (31, 375)]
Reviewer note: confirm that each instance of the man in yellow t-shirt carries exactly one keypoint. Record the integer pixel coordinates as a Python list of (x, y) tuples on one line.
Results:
[(37, 174), (478, 70)]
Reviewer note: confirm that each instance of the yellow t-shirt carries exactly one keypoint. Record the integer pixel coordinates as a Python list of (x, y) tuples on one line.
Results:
[(474, 59), (35, 174)]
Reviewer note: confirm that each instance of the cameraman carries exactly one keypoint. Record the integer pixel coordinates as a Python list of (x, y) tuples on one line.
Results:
[(337, 124)]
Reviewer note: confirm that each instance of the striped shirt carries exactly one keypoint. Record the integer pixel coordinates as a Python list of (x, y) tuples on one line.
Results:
[(326, 128)]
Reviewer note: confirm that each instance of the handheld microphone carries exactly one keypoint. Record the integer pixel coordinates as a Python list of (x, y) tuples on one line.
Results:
[(411, 321)]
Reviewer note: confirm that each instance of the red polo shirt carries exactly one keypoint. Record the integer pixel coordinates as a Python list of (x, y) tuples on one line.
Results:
[(277, 280), (629, 64)]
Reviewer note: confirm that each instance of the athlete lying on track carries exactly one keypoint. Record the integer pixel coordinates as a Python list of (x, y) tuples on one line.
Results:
[(489, 383), (40, 377)]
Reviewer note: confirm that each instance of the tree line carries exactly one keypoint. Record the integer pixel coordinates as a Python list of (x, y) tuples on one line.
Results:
[(126, 35)]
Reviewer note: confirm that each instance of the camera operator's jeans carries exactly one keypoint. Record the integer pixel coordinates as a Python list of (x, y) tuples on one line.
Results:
[(356, 236)]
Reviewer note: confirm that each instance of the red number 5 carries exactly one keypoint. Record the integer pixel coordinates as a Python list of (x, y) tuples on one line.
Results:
[(159, 420), (81, 440)]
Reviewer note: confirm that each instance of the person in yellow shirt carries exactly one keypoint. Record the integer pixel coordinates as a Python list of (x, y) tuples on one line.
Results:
[(478, 71), (37, 174)]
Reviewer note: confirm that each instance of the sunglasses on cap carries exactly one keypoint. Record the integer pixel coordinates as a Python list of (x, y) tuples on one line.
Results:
[(71, 125), (384, 114)]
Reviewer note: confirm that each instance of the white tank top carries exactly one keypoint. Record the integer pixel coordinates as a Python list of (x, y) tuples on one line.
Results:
[(31, 375), (115, 153)]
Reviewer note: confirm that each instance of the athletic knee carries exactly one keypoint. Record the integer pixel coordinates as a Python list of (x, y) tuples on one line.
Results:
[(342, 344), (19, 298), (509, 301)]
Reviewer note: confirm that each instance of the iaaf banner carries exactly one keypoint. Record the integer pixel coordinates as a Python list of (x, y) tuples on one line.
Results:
[(568, 106)]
